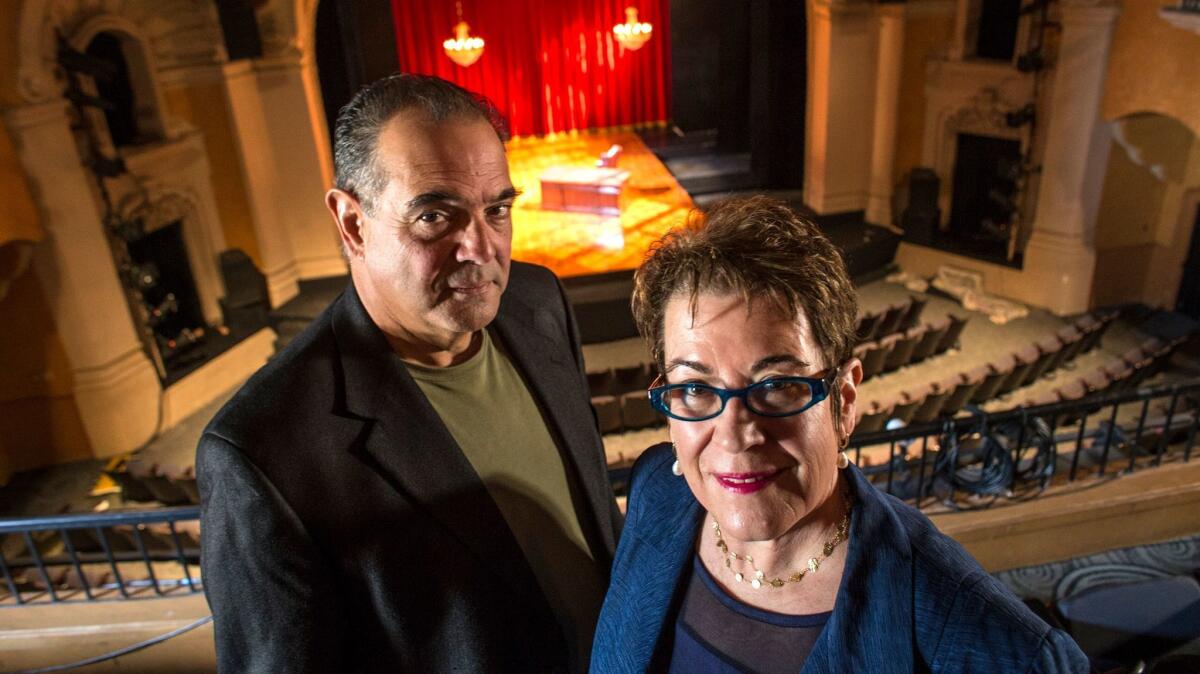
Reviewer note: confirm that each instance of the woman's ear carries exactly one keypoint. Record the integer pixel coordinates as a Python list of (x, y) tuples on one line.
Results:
[(847, 383)]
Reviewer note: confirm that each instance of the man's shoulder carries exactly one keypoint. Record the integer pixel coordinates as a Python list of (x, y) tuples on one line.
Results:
[(531, 283), (289, 388)]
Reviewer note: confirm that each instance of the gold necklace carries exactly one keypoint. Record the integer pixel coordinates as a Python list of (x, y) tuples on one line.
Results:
[(759, 579)]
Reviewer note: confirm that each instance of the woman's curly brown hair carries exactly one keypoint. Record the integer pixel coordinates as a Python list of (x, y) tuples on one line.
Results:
[(758, 248)]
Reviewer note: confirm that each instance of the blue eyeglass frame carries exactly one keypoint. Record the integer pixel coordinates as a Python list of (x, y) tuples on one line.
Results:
[(820, 391)]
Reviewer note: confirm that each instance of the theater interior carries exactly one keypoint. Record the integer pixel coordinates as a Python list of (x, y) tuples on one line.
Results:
[(1015, 185)]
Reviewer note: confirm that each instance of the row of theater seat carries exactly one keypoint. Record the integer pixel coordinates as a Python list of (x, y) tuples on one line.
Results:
[(1000, 377), (619, 398), (898, 317), (146, 481), (910, 346)]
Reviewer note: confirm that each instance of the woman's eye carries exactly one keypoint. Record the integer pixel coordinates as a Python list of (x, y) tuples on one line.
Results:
[(696, 390)]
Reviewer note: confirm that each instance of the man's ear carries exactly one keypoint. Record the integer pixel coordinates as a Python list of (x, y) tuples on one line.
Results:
[(348, 214)]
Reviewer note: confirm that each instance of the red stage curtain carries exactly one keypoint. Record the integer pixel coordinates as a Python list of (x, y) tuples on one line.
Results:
[(548, 65)]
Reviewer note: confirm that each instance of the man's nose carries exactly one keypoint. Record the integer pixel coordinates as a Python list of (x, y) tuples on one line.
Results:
[(737, 427), (477, 242)]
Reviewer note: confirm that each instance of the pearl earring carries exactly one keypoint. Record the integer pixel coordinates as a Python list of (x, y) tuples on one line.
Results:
[(675, 469)]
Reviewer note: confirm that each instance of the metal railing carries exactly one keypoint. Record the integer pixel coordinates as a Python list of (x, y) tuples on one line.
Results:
[(971, 461), (96, 556), (967, 461)]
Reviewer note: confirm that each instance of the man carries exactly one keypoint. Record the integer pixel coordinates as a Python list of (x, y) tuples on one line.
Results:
[(416, 483)]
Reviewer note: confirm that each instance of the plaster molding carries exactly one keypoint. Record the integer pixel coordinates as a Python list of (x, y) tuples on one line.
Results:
[(1180, 18)]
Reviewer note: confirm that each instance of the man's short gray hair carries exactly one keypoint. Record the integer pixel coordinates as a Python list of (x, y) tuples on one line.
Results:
[(356, 135)]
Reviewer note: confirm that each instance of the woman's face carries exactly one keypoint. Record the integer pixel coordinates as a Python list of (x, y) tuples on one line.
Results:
[(759, 476)]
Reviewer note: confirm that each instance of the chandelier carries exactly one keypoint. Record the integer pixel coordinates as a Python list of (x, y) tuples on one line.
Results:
[(463, 49), (632, 34)]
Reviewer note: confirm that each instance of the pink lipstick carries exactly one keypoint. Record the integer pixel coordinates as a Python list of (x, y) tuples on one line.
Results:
[(746, 483)]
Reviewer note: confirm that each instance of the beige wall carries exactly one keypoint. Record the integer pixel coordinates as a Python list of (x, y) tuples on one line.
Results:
[(39, 421), (1152, 67), (924, 34), (205, 106)]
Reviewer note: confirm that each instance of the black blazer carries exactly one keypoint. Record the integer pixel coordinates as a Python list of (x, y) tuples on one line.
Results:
[(344, 530)]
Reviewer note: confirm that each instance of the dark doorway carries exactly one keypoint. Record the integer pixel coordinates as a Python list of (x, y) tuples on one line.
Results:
[(121, 114), (983, 201), (164, 248), (356, 45), (997, 29), (1188, 300), (738, 75)]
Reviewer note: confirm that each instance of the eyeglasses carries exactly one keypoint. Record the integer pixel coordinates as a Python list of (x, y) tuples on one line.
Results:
[(775, 397)]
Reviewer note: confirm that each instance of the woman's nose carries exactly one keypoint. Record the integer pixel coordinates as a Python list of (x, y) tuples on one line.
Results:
[(737, 427)]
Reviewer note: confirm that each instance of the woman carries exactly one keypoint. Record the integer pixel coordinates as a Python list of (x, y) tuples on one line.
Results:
[(750, 543)]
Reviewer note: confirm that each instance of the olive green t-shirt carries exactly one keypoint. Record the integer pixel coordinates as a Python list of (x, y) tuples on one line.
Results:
[(490, 412)]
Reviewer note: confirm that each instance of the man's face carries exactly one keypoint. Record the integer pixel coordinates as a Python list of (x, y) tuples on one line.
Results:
[(435, 252)]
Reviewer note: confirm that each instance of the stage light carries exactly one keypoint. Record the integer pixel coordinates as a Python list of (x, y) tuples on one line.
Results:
[(632, 34), (463, 49)]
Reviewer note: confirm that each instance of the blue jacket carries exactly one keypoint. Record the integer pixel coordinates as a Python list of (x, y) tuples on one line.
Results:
[(910, 600)]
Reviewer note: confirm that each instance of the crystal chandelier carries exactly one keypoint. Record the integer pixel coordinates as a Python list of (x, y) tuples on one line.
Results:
[(463, 49), (632, 34)]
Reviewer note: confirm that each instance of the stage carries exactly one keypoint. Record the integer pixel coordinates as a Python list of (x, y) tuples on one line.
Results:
[(574, 244)]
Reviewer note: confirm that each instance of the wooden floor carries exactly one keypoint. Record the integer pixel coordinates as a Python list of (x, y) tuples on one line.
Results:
[(579, 244)]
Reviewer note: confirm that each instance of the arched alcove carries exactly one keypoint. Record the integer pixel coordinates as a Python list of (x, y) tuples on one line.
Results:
[(1145, 219)]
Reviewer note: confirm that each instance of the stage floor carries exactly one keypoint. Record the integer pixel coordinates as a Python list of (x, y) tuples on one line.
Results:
[(581, 244)]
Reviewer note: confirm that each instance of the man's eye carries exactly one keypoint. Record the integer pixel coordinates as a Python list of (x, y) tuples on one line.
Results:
[(500, 211), (431, 217)]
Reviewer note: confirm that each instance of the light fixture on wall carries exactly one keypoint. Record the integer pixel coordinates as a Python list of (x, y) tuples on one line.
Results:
[(632, 34), (463, 48)]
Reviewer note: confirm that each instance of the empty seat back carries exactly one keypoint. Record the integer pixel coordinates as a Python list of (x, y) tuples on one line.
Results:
[(912, 316), (876, 355), (950, 339), (902, 350), (931, 337), (890, 322)]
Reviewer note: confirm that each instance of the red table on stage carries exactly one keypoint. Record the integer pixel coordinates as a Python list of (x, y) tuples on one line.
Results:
[(583, 189)]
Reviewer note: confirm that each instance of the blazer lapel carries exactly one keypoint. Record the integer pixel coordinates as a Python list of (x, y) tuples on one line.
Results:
[(557, 386), (409, 445), (874, 611)]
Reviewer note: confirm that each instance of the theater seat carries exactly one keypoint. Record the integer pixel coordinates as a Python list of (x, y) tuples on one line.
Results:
[(890, 322), (868, 326), (601, 383), (876, 355), (931, 406), (873, 418), (1024, 360), (631, 378), (1048, 349), (608, 413), (997, 373), (902, 349), (967, 383), (950, 339), (636, 411), (1072, 340), (931, 336), (912, 315), (907, 405), (1130, 622)]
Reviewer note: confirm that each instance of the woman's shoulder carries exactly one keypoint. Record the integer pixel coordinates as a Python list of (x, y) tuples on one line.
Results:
[(963, 612)]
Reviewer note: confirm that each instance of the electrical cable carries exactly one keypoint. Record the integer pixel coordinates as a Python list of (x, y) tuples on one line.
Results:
[(121, 651)]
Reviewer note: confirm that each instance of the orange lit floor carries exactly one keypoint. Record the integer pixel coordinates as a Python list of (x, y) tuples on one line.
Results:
[(577, 244)]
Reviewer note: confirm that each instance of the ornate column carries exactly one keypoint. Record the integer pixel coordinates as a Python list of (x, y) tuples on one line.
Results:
[(263, 185), (1060, 257), (115, 385), (296, 135), (889, 22), (841, 70)]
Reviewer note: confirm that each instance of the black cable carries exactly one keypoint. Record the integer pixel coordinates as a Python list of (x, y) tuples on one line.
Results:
[(121, 651)]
